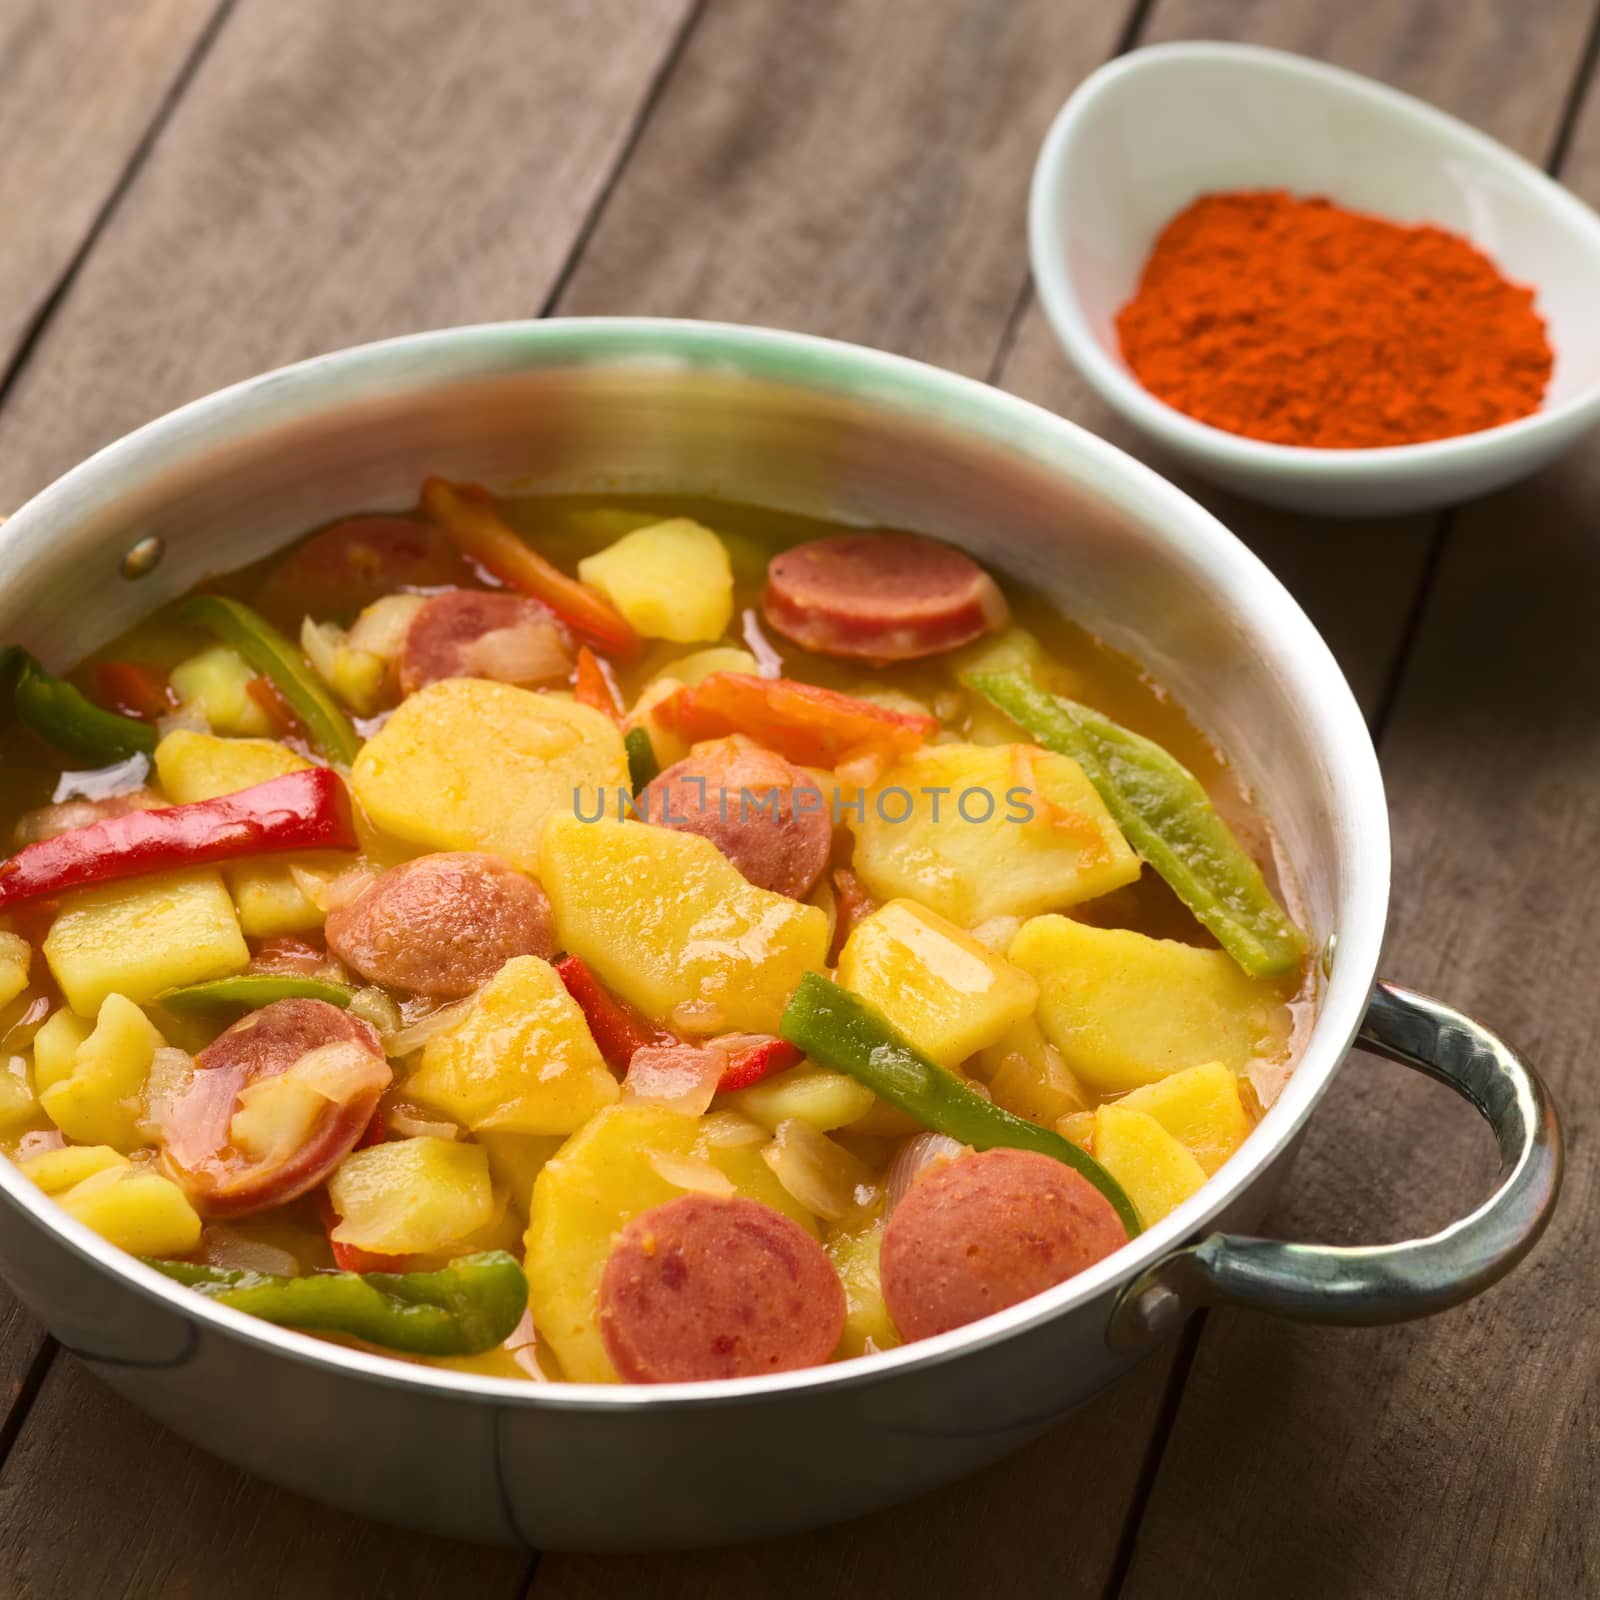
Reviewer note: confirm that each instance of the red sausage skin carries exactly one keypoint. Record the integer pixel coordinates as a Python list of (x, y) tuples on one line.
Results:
[(441, 639), (743, 799), (880, 596), (979, 1234), (706, 1286), (442, 924), (337, 572), (219, 1180)]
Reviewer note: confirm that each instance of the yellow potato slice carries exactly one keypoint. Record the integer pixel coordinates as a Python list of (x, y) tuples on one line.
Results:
[(979, 831), (467, 764), (942, 989), (522, 1060), (672, 926)]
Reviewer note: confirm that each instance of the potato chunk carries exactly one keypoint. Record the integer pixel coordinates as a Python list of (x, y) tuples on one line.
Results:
[(522, 1060), (670, 924), (412, 1196), (1155, 1171), (467, 764), (1039, 838), (135, 1209), (1201, 1108), (143, 936), (821, 1099), (216, 684), (671, 580), (941, 988), (57, 1170), (867, 1323), (200, 766), (16, 956), (603, 1176), (17, 1104), (101, 1099), (1126, 1010)]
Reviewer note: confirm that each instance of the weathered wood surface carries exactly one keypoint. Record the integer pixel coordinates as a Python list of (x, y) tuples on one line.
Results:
[(859, 169), (79, 89)]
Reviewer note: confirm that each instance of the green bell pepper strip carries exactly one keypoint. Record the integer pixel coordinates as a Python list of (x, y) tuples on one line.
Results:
[(66, 718), (1166, 816), (254, 990), (643, 768), (277, 660), (838, 1029), (464, 1309)]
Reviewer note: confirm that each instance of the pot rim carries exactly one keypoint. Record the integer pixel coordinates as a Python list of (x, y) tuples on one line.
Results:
[(1198, 542)]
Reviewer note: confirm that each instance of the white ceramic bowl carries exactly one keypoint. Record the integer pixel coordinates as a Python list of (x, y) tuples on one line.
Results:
[(1146, 135)]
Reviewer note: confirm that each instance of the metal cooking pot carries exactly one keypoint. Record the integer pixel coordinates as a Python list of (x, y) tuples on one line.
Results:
[(856, 436)]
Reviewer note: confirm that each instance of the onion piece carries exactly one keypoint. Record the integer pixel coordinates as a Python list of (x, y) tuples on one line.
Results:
[(731, 1130), (677, 1077), (185, 719), (374, 1006), (526, 652), (823, 1176), (692, 1174), (328, 894), (340, 1072), (416, 1034), (321, 642), (221, 1246), (105, 783), (381, 629), (697, 1016), (165, 1083), (769, 664), (915, 1157), (410, 1123)]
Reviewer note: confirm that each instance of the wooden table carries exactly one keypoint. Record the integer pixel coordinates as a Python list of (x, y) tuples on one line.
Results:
[(195, 190)]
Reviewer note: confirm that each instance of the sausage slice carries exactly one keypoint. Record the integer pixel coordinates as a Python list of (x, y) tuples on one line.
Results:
[(347, 566), (743, 799), (224, 1181), (442, 924), (482, 633), (976, 1235), (707, 1286), (880, 596)]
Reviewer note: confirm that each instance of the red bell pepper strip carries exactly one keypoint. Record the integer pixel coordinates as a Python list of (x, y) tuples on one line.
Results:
[(132, 690), (278, 712), (618, 1030), (812, 726), (754, 1060), (306, 810), (592, 685), (470, 520)]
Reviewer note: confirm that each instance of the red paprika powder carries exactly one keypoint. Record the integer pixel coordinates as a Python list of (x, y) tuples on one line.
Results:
[(1302, 323)]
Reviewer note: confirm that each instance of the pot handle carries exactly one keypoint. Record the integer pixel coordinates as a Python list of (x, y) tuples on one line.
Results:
[(1393, 1282)]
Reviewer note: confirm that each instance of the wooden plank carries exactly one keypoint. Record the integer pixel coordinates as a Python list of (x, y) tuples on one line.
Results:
[(335, 173), (1458, 1456), (80, 82), (854, 169), (97, 1500), (79, 87), (339, 173)]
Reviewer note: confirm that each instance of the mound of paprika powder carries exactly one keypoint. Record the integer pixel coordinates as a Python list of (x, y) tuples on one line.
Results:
[(1302, 323)]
